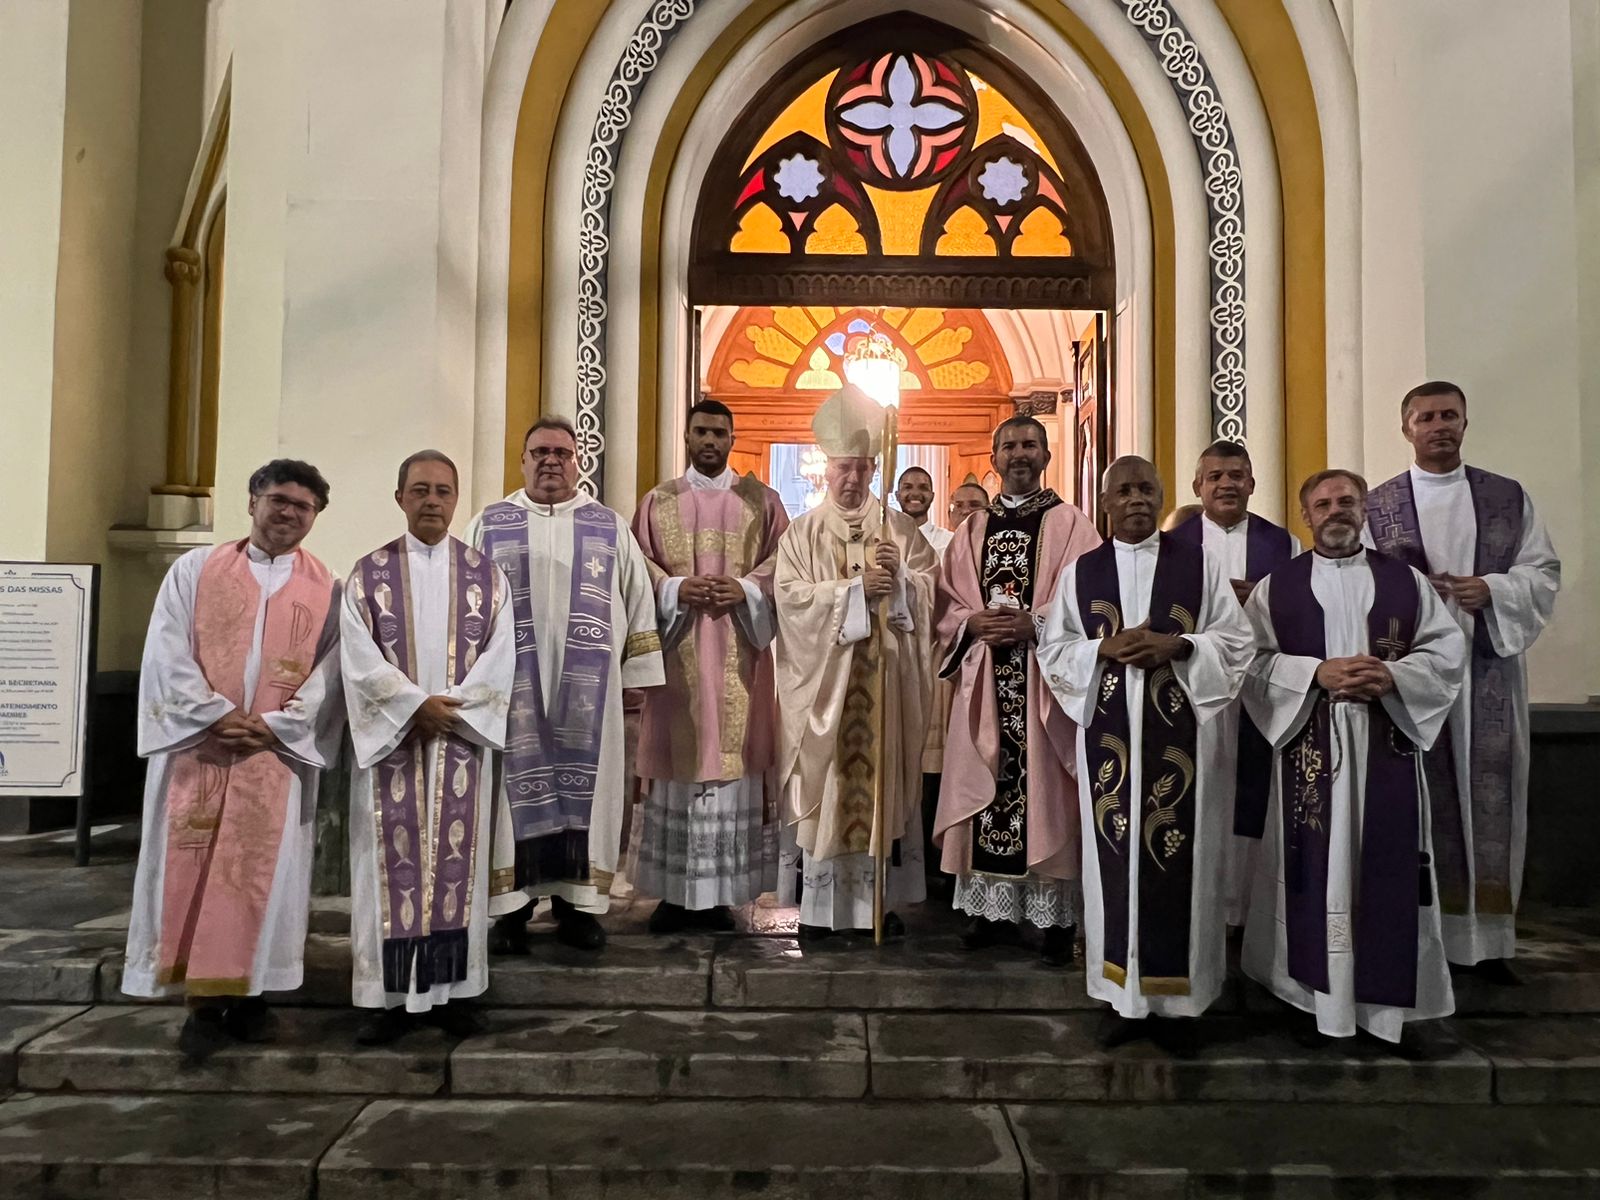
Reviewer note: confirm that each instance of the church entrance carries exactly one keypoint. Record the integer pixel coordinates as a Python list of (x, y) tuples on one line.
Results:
[(903, 186)]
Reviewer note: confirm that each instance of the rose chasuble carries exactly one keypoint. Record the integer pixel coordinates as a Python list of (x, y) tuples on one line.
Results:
[(1343, 922), (585, 630), (710, 828), (1471, 522), (1007, 820), (829, 639), (420, 621), (223, 885), (1153, 829)]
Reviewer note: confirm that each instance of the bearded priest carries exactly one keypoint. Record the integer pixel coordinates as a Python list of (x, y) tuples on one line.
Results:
[(836, 566)]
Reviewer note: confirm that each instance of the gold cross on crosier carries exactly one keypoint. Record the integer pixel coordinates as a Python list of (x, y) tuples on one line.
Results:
[(1391, 647)]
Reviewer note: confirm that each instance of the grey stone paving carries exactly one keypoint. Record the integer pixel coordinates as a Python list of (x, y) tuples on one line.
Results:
[(665, 1053), (1549, 1061), (635, 970), (1289, 1152), (165, 1147), (672, 1150), (21, 1023), (134, 1049)]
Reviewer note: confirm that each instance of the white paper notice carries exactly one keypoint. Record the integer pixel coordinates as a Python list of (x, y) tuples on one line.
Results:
[(46, 620)]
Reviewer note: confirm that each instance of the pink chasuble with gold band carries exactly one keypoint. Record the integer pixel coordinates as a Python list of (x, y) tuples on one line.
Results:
[(226, 813), (713, 721)]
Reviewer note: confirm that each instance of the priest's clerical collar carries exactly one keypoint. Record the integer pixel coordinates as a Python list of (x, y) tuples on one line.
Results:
[(1011, 501), (256, 554), (1237, 525), (1422, 475), (1149, 543), (1343, 560), (700, 482), (417, 546)]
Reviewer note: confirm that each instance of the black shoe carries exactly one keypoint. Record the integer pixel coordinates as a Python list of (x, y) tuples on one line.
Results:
[(669, 918), (716, 919), (814, 933), (203, 1034), (1057, 949), (509, 934), (458, 1020), (1116, 1030), (385, 1027), (893, 927), (576, 928), (981, 933), (250, 1020), (1178, 1036), (1498, 972)]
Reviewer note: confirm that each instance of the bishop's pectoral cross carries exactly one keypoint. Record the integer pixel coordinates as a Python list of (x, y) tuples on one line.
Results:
[(1392, 647)]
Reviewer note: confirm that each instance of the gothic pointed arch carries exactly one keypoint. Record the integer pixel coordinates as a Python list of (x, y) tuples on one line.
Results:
[(900, 163)]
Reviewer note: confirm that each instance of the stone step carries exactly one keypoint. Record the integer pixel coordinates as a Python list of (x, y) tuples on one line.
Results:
[(56, 966), (20, 1024), (851, 973), (1290, 1152), (672, 1150), (664, 1054), (1544, 1060), (175, 1147), (133, 1048), (1006, 1056)]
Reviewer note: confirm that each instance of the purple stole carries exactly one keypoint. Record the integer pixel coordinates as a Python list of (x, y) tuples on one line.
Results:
[(1267, 547), (1386, 892), (432, 934), (1497, 506), (1167, 759), (552, 757)]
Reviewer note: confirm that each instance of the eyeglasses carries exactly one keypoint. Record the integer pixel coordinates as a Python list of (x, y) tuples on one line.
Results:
[(560, 453), (284, 503)]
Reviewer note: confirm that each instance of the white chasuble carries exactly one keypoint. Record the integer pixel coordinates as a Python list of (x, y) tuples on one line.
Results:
[(177, 707), (829, 639), (633, 661), (1209, 678), (1280, 695), (382, 700)]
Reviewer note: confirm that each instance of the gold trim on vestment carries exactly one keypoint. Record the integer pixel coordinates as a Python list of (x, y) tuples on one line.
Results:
[(600, 879), (1493, 900), (1115, 974), (639, 644), (502, 880), (1164, 985), (675, 548), (218, 987)]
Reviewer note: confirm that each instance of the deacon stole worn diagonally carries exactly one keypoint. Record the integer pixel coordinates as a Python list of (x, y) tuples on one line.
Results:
[(226, 814), (1386, 896), (1267, 547), (1168, 738), (426, 872), (1497, 504), (552, 753), (713, 721)]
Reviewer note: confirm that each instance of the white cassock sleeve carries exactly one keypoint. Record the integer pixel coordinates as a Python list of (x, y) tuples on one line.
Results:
[(1427, 679), (380, 699), (176, 704), (485, 693), (1279, 689), (1223, 646), (1069, 658), (310, 725), (1522, 599), (758, 619), (643, 667)]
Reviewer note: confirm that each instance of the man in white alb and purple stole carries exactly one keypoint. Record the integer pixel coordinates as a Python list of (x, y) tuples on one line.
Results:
[(1144, 644), (1487, 554), (428, 651), (585, 615), (1248, 547), (1357, 666)]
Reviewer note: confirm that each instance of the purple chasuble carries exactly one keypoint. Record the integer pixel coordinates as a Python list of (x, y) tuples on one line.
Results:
[(1385, 887), (427, 930), (1497, 505), (1167, 758), (1267, 547), (552, 756)]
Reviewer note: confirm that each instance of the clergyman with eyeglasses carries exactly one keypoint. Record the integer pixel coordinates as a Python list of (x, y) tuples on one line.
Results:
[(239, 712), (585, 615)]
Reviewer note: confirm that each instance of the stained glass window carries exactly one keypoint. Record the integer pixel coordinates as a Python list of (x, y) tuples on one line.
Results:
[(901, 153)]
